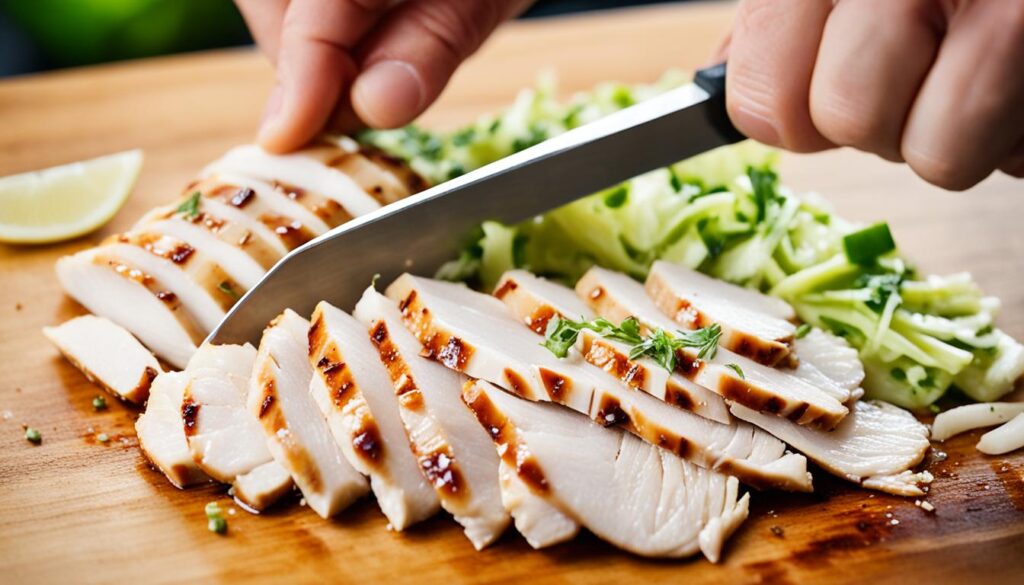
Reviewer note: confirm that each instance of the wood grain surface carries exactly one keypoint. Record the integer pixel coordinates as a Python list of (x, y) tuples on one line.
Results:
[(75, 510)]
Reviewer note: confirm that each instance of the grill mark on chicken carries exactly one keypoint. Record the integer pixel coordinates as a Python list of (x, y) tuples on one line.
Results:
[(328, 210), (515, 453), (688, 315), (756, 349), (557, 385), (242, 197), (610, 412), (752, 397), (539, 319), (679, 396), (272, 419), (662, 437), (402, 172), (408, 393), (368, 444), (615, 363), (291, 232), (506, 287), (189, 415), (438, 345), (688, 366), (441, 471), (516, 383)]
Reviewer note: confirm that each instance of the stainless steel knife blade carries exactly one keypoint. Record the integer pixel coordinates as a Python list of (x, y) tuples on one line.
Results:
[(421, 232)]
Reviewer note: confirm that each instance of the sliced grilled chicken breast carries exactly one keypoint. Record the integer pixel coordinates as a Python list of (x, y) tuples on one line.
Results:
[(259, 200), (386, 178), (630, 493), (297, 434), (453, 451), (832, 356), (201, 286), (224, 437), (540, 522), (354, 392), (473, 333), (761, 388), (262, 486), (305, 170), (536, 301), (875, 445), (161, 435), (108, 355), (749, 321), (134, 299)]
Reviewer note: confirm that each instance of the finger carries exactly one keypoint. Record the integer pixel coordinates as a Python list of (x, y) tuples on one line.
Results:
[(410, 56), (968, 118), (771, 60), (264, 17), (1014, 164), (873, 58), (314, 64), (721, 52)]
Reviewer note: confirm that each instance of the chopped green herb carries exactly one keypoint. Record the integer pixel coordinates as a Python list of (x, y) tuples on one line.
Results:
[(898, 374), (215, 521), (464, 137), (865, 246), (934, 408), (102, 437), (495, 125), (763, 182), (803, 330), (190, 207), (623, 97), (562, 334), (99, 403), (736, 368), (226, 288), (705, 340), (33, 436)]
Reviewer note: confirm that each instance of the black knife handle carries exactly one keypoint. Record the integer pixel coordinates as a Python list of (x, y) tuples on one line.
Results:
[(712, 80)]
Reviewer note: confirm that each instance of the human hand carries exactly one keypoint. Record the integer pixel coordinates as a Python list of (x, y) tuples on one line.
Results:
[(343, 63), (938, 84)]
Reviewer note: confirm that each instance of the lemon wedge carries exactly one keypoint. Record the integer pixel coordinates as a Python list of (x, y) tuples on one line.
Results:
[(66, 201)]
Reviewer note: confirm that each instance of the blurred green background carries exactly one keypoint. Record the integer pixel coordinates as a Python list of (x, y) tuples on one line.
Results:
[(37, 35)]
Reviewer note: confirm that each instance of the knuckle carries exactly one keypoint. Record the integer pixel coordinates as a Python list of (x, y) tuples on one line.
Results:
[(843, 121), (460, 26), (941, 169)]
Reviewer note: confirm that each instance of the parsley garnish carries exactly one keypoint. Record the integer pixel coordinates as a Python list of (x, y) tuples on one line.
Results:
[(803, 330), (33, 436), (660, 345), (190, 207), (736, 368), (99, 403)]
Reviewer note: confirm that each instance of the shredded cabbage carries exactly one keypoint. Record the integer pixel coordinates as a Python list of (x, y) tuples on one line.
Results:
[(725, 213)]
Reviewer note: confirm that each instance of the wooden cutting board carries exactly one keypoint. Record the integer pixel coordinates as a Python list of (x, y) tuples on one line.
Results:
[(76, 510)]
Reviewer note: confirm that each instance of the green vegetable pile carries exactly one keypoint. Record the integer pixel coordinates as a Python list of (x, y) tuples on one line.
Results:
[(726, 214)]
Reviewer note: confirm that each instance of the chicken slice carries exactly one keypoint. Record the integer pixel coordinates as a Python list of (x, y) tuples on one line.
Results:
[(386, 178), (203, 288), (453, 451), (636, 496), (539, 521), (258, 199), (354, 393), (260, 488), (536, 301), (305, 170), (225, 439), (161, 435), (133, 299), (615, 297), (875, 440), (973, 416), (827, 361), (473, 333), (108, 355), (297, 434), (749, 321)]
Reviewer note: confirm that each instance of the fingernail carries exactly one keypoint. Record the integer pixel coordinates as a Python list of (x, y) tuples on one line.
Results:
[(389, 93), (757, 126), (270, 112)]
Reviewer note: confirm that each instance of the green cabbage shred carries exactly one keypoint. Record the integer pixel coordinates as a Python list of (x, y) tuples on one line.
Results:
[(725, 213)]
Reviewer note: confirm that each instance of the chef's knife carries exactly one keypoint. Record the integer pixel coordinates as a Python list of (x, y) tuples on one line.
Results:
[(418, 234)]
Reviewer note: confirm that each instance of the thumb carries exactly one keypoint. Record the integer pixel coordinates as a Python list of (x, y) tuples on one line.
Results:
[(410, 56)]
